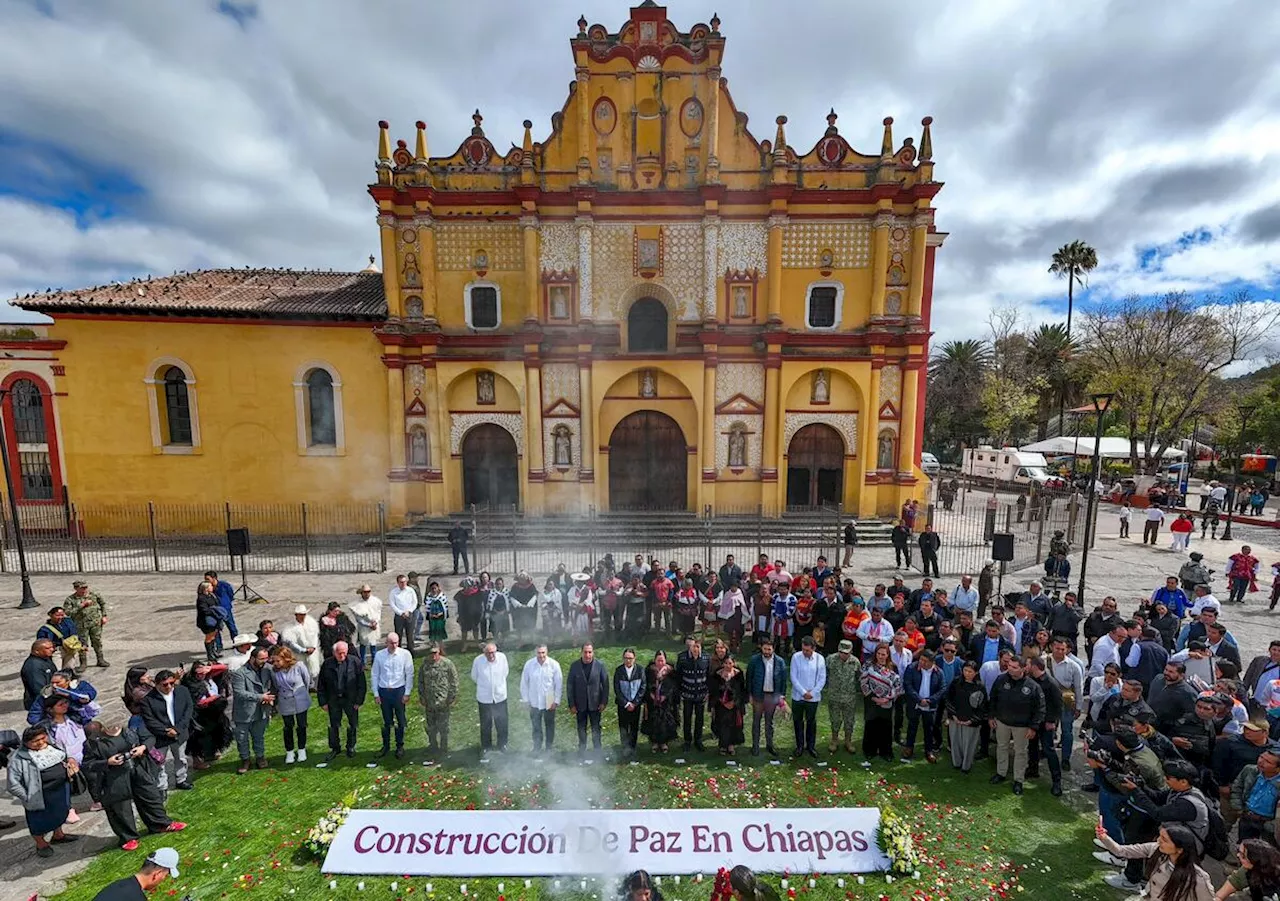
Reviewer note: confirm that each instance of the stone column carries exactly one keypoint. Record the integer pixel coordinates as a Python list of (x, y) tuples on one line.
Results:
[(426, 225), (907, 422), (588, 420), (919, 236), (769, 468), (871, 427), (532, 274), (710, 267), (777, 222), (395, 414), (713, 126), (437, 415), (879, 261), (390, 264), (708, 450), (584, 125), (585, 308)]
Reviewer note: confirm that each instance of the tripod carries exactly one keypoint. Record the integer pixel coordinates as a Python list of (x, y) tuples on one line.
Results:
[(250, 595)]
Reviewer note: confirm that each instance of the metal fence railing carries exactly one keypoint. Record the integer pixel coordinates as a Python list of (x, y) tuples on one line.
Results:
[(504, 541), (154, 537), (966, 529)]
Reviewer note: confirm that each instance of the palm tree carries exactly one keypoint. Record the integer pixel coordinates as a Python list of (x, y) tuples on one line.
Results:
[(1051, 353), (957, 359), (1073, 262), (953, 404)]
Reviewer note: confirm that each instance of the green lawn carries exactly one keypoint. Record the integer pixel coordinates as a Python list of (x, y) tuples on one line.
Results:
[(245, 833)]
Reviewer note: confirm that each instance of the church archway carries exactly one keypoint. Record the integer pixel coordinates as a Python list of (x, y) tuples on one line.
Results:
[(648, 463), (490, 468), (815, 467)]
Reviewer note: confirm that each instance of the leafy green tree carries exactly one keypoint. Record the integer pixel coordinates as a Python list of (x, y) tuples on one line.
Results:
[(953, 410)]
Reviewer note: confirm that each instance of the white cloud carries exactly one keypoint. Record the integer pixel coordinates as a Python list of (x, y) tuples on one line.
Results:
[(1055, 121)]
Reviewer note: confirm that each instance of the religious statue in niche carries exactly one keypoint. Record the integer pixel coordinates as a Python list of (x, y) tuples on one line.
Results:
[(481, 260), (647, 256), (561, 446), (648, 384), (484, 388), (418, 448), (826, 259), (410, 274), (737, 446), (820, 392), (741, 301), (413, 308), (884, 450), (559, 302)]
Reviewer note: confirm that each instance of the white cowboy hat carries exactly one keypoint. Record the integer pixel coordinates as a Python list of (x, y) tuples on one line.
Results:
[(580, 577), (301, 608)]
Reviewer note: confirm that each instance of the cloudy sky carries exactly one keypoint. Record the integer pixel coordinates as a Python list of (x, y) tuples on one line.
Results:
[(143, 137)]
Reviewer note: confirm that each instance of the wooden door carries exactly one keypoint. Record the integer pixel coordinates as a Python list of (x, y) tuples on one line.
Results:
[(490, 468), (648, 463), (815, 467)]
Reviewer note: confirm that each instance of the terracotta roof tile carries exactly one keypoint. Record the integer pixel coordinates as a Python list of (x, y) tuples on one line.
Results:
[(231, 293)]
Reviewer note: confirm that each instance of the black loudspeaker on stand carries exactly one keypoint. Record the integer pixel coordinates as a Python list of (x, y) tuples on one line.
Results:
[(238, 545), (1001, 551)]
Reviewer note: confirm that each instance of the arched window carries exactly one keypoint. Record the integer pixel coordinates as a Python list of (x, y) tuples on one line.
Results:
[(28, 412), (320, 414), (647, 326), (177, 407)]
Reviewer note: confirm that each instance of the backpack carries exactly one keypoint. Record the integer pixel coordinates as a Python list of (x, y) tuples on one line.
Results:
[(1217, 842)]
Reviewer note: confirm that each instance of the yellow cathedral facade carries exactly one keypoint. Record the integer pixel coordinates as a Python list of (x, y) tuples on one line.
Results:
[(649, 308)]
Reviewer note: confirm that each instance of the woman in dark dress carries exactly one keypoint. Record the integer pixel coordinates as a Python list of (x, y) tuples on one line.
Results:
[(470, 603), (40, 779), (728, 699), (524, 604), (660, 699), (210, 690), (881, 687), (209, 617), (499, 610), (335, 626), (124, 776)]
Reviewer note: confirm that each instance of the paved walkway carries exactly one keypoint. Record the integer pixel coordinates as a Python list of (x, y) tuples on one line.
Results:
[(151, 622)]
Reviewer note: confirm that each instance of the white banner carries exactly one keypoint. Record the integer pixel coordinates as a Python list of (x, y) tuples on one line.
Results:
[(594, 842)]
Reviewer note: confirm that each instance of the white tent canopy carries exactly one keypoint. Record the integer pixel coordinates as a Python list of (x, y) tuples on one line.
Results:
[(1112, 448)]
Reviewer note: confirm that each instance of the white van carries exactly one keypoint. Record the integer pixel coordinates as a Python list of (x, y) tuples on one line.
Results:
[(929, 464), (1008, 465)]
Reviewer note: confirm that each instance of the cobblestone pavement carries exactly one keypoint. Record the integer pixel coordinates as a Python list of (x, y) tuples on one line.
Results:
[(151, 622)]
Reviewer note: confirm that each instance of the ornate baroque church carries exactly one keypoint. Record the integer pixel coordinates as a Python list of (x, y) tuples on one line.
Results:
[(649, 307)]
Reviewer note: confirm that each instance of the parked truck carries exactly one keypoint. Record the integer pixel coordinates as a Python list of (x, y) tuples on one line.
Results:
[(1009, 466)]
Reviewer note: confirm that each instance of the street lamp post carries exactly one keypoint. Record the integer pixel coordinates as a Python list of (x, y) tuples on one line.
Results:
[(1245, 414), (28, 596), (1100, 404)]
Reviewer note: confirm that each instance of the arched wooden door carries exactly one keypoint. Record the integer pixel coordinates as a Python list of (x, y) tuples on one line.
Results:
[(490, 467), (815, 467), (648, 463)]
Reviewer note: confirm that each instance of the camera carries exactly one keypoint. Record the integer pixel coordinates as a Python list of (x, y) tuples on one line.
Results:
[(1100, 755)]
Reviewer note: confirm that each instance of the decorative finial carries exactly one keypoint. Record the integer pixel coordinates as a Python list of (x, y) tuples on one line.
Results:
[(528, 137), (420, 146), (715, 23), (477, 119), (384, 141), (926, 140), (831, 122), (582, 26), (780, 139), (886, 145)]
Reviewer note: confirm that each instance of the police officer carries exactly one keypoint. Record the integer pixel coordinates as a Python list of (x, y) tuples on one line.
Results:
[(89, 612)]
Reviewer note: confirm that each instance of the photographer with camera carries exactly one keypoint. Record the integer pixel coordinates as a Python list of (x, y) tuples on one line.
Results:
[(123, 775), (1119, 761)]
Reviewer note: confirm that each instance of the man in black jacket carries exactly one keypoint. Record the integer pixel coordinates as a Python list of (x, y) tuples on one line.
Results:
[(166, 712), (587, 689), (340, 690), (1042, 745), (1064, 621), (1171, 695), (458, 538), (1193, 733), (1182, 804), (628, 693), (900, 536), (1127, 703), (1100, 622), (37, 670), (929, 543), (1017, 712), (1150, 660), (692, 667)]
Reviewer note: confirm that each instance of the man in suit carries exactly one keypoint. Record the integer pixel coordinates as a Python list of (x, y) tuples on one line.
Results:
[(166, 712), (588, 695), (922, 685), (628, 692), (341, 690), (987, 646), (252, 694), (1142, 655)]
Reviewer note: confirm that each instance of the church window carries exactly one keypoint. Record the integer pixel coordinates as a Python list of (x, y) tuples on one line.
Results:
[(28, 412), (647, 326), (177, 407), (320, 413), (483, 306), (317, 403), (24, 408), (823, 305)]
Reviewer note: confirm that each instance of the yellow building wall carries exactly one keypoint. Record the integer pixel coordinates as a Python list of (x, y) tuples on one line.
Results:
[(246, 408)]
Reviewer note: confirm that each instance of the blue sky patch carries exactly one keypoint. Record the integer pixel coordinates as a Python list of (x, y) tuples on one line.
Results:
[(241, 12), (51, 175)]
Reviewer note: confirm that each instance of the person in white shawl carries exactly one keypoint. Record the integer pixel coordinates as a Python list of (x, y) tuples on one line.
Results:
[(367, 612), (303, 638)]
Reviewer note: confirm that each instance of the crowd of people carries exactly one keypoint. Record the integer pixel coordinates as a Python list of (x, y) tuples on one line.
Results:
[(1182, 739)]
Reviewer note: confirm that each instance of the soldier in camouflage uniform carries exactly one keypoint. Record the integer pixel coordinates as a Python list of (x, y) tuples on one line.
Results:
[(438, 692), (842, 694), (88, 611)]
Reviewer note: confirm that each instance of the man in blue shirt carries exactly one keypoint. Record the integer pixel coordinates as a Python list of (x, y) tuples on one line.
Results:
[(987, 647), (1255, 792), (226, 595), (1172, 597)]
